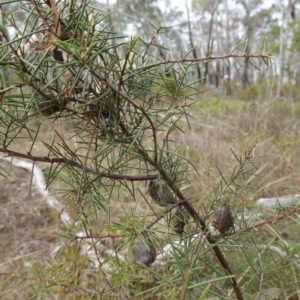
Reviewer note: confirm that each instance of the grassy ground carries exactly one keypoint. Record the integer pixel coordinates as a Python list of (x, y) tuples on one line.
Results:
[(218, 125)]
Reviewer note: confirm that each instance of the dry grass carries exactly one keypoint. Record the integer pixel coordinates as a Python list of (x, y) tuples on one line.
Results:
[(272, 125)]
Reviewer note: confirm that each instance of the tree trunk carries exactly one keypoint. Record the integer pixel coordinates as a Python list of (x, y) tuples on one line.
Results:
[(191, 39), (245, 78), (227, 66), (208, 43), (280, 58)]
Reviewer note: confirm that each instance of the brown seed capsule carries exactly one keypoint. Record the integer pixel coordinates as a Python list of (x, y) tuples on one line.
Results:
[(161, 194), (178, 219), (57, 54), (223, 219), (143, 251)]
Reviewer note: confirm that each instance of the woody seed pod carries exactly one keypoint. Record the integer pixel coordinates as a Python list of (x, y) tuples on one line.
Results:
[(178, 219), (143, 251), (161, 194), (223, 219)]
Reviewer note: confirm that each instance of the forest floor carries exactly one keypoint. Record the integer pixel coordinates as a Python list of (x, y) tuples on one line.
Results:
[(27, 223)]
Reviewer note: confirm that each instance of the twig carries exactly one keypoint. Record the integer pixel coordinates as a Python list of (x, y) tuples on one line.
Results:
[(161, 216), (73, 163), (88, 236), (151, 42), (261, 277), (94, 246), (242, 163), (270, 221), (204, 59), (190, 264)]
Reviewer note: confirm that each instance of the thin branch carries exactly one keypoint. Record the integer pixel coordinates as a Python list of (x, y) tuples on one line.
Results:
[(190, 264), (270, 221), (261, 275), (62, 160), (151, 42), (238, 171), (205, 59), (162, 215), (242, 162), (90, 233), (88, 236), (260, 224), (45, 21)]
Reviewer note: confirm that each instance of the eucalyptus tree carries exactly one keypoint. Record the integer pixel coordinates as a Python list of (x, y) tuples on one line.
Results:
[(256, 21), (211, 9)]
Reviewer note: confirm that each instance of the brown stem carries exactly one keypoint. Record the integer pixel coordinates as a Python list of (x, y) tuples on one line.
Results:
[(270, 221), (151, 42), (161, 216), (73, 163), (90, 233), (204, 59), (109, 236)]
